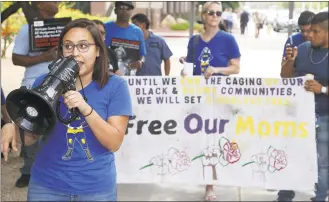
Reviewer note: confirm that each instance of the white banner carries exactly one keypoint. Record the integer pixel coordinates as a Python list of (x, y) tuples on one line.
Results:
[(244, 132)]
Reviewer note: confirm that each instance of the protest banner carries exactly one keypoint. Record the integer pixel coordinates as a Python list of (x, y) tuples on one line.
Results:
[(230, 131), (45, 34)]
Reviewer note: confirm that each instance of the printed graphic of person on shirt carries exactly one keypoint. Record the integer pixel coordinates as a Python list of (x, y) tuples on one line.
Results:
[(75, 133), (126, 39), (205, 58)]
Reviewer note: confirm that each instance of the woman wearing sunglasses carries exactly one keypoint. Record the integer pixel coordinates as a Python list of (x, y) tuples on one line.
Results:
[(213, 53)]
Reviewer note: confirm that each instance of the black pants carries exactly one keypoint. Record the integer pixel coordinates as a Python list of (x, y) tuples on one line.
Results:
[(243, 27), (286, 195)]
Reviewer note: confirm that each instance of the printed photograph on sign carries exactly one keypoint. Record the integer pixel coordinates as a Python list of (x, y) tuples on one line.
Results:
[(45, 34), (127, 51)]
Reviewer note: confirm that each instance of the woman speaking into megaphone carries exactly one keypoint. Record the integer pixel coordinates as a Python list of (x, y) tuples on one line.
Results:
[(77, 157)]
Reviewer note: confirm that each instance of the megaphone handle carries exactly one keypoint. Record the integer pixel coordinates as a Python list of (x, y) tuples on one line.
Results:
[(75, 113)]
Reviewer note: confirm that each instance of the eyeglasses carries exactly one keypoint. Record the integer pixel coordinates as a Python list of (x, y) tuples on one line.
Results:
[(212, 13), (82, 47)]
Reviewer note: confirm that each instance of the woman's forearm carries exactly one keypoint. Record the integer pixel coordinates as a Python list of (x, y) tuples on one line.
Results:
[(108, 135), (232, 69)]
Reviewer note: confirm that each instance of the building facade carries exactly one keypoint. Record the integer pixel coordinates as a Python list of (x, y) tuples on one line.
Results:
[(155, 11)]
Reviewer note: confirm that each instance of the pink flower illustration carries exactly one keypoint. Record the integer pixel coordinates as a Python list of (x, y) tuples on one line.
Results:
[(277, 160), (179, 160), (231, 152)]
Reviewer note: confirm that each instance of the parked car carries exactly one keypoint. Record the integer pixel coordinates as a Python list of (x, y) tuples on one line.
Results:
[(281, 21)]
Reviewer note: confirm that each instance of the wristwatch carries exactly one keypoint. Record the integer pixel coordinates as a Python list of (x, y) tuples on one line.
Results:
[(324, 90)]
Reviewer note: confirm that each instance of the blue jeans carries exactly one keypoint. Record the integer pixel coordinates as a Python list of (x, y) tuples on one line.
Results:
[(322, 144), (39, 193), (322, 147)]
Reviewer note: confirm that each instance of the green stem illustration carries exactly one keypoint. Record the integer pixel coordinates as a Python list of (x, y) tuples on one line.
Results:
[(197, 157), (248, 163), (149, 165)]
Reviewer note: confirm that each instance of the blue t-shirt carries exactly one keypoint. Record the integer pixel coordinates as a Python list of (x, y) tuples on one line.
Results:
[(22, 47), (216, 53), (294, 40), (3, 99), (157, 50), (132, 32), (72, 160), (320, 71)]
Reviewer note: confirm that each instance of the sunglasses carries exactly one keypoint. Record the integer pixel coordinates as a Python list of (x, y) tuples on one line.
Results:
[(124, 8), (212, 13)]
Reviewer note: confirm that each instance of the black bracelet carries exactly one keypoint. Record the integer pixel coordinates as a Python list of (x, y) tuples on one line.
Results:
[(92, 109)]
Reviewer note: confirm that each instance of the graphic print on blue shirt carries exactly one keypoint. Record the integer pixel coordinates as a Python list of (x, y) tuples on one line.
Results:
[(205, 58), (75, 135), (216, 53)]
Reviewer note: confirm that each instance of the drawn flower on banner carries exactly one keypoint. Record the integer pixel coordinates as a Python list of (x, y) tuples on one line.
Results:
[(226, 153), (210, 156), (230, 151), (277, 160), (173, 162), (179, 160), (160, 165), (261, 163), (273, 160)]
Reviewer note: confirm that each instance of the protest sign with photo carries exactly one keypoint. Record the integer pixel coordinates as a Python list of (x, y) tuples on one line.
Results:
[(127, 51), (44, 34)]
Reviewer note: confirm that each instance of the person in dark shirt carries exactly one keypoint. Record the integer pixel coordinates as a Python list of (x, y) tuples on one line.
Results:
[(244, 19), (311, 57), (304, 24)]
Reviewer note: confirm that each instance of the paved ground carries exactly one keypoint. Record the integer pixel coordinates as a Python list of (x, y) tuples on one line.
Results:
[(260, 58)]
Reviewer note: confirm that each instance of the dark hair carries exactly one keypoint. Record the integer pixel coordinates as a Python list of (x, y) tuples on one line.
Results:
[(141, 18), (100, 74), (98, 22), (305, 17), (321, 19)]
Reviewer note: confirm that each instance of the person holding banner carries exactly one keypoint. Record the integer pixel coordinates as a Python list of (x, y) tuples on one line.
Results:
[(302, 36), (76, 161), (312, 58), (213, 53), (295, 40), (36, 64)]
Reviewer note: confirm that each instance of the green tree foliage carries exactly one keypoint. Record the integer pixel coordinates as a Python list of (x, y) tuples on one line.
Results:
[(10, 27)]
